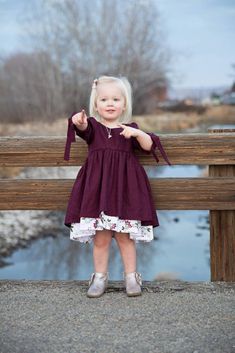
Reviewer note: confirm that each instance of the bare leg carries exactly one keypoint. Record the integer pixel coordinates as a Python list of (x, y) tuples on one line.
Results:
[(128, 251), (101, 247)]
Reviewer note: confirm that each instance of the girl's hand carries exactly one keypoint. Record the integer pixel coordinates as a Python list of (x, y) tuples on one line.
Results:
[(80, 119), (129, 131)]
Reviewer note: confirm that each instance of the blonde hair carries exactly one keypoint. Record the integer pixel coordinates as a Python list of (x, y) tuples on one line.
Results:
[(126, 90)]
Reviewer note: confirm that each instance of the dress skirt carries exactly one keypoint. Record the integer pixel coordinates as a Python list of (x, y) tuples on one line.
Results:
[(85, 230)]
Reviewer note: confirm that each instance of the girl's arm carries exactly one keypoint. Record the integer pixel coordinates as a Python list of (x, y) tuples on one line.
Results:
[(73, 130), (144, 140), (140, 139), (80, 120), (141, 142)]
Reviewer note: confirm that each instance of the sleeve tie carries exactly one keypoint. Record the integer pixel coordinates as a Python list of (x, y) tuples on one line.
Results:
[(70, 138), (157, 144)]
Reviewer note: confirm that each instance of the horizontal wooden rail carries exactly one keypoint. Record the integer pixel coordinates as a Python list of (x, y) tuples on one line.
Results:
[(199, 149), (168, 194), (215, 193)]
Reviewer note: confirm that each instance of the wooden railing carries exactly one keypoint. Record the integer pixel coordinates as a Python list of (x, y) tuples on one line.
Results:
[(215, 192)]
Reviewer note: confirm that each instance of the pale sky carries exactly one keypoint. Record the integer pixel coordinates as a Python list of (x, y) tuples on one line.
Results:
[(200, 34)]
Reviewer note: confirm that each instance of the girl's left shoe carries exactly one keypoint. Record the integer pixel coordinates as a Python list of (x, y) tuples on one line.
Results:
[(133, 282)]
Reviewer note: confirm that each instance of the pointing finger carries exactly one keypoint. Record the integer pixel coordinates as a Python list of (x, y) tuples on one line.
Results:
[(83, 116)]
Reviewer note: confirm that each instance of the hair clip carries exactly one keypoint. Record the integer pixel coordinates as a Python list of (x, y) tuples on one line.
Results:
[(95, 83)]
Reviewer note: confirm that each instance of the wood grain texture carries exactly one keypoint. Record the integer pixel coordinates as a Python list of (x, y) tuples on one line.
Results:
[(222, 229), (222, 232), (168, 194), (199, 149)]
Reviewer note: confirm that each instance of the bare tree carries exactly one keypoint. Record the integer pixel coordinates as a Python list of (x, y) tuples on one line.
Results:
[(75, 41), (118, 37), (29, 87)]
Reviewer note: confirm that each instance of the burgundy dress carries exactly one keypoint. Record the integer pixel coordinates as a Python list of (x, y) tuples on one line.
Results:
[(111, 190)]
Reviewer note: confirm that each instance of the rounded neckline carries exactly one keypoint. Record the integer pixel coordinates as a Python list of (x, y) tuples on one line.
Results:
[(112, 128)]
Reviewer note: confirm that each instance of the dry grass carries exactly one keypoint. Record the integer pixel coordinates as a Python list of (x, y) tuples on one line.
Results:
[(179, 122), (55, 128), (164, 121)]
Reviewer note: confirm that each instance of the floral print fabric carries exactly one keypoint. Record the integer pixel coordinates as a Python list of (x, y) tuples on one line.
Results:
[(85, 231)]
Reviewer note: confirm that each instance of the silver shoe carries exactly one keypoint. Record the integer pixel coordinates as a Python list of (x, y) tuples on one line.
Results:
[(97, 284), (133, 283)]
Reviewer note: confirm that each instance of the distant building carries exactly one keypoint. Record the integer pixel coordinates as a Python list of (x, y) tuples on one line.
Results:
[(153, 97)]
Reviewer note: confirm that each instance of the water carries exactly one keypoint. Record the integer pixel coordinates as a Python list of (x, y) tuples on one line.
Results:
[(181, 247)]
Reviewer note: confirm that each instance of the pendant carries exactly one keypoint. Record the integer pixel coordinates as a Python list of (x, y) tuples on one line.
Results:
[(109, 132)]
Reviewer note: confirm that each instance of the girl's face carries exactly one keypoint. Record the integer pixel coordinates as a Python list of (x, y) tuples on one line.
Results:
[(110, 102)]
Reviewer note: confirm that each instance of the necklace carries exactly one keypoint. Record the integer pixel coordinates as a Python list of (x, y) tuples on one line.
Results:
[(109, 132)]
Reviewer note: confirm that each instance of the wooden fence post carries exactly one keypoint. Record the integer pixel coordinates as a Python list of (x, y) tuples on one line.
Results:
[(222, 229)]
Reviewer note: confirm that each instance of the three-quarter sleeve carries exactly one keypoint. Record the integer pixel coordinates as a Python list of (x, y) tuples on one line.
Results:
[(155, 145), (72, 131)]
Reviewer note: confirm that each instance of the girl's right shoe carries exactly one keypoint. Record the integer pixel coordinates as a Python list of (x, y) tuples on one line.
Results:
[(97, 284)]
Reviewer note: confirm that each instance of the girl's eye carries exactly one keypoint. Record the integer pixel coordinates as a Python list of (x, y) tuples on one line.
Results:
[(116, 99)]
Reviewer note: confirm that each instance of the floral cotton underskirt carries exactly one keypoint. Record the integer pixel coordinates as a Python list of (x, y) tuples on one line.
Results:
[(85, 231)]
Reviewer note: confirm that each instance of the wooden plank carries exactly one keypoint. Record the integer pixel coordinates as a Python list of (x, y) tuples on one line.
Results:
[(199, 149), (168, 194), (222, 232)]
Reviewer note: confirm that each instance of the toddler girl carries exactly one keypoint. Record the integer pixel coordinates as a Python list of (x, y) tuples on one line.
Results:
[(111, 196)]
